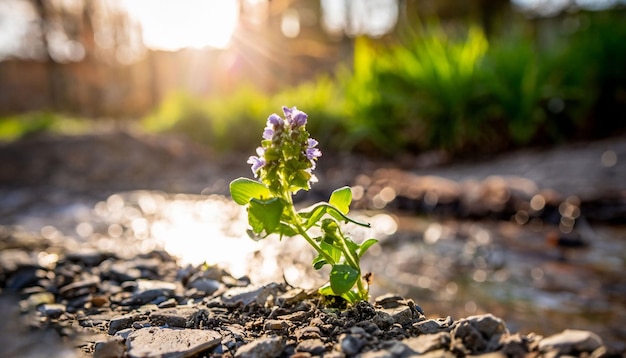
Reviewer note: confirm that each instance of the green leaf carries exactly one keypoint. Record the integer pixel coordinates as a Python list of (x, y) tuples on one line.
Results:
[(265, 212), (351, 296), (366, 245), (244, 189), (313, 215), (326, 290), (319, 262), (341, 199), (343, 278), (332, 251)]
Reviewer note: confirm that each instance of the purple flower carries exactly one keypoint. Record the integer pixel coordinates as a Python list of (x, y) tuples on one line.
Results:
[(295, 117), (257, 161), (312, 153), (275, 121), (274, 124)]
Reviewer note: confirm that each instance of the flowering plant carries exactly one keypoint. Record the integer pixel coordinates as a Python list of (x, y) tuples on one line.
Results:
[(284, 164)]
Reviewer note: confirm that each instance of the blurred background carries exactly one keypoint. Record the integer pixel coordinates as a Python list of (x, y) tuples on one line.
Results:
[(428, 87), (380, 76)]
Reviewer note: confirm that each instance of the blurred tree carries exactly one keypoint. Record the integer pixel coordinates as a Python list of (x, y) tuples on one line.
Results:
[(96, 33)]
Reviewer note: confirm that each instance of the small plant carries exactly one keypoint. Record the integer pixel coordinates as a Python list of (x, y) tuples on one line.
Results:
[(284, 164)]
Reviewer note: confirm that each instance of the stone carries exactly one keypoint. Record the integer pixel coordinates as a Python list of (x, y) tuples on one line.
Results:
[(382, 319), (80, 288), (571, 341), (389, 300), (52, 310), (149, 290), (479, 334), (351, 344), (173, 317), (261, 348), (276, 324), (249, 294), (206, 285), (428, 342), (314, 346), (488, 325), (400, 314), (125, 321), (109, 349), (308, 332), (429, 326), (170, 342), (87, 256)]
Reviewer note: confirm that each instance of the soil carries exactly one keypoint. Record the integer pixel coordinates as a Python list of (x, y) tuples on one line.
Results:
[(106, 291)]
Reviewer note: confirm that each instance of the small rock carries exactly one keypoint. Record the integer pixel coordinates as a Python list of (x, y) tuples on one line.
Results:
[(125, 321), (308, 332), (36, 299), (430, 326), (80, 288), (206, 285), (170, 342), (149, 290), (291, 297), (52, 310), (261, 348), (249, 294), (400, 314), (87, 256), (173, 317), (571, 341), (382, 319), (350, 344), (276, 324), (168, 303), (99, 300), (389, 300), (428, 342), (479, 334), (313, 346), (109, 349)]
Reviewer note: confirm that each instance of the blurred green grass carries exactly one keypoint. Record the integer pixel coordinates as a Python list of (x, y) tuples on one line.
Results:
[(433, 89)]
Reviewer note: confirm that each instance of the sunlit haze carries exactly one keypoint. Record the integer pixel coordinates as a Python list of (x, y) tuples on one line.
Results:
[(175, 24)]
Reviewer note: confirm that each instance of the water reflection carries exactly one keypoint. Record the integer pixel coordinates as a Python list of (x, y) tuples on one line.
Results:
[(449, 267)]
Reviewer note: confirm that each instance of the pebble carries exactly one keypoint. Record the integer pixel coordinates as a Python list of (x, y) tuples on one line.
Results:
[(150, 290), (428, 342), (571, 341), (261, 348), (173, 317), (351, 344), (313, 346), (205, 285), (468, 337), (142, 317), (170, 342), (125, 321), (249, 294), (52, 310)]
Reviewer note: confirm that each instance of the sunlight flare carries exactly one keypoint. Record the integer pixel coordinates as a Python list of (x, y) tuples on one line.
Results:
[(175, 24)]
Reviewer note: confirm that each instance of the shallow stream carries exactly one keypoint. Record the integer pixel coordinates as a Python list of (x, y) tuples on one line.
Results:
[(448, 267)]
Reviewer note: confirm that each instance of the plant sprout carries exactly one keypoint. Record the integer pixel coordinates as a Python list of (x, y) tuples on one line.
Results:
[(284, 165)]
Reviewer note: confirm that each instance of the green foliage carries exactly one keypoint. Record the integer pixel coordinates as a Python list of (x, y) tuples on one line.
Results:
[(516, 79), (270, 206), (30, 123), (213, 122), (18, 126), (540, 82)]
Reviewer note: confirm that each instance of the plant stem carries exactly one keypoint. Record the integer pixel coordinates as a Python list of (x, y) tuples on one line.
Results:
[(297, 223)]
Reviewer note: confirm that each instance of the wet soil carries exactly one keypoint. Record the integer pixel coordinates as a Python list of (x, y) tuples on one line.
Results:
[(534, 237)]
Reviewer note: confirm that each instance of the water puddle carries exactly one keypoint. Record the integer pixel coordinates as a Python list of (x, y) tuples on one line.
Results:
[(448, 267)]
